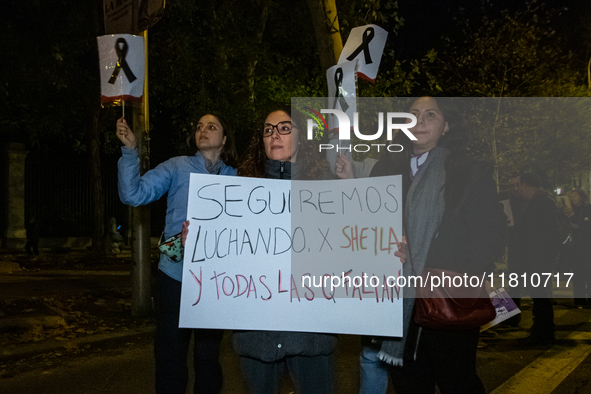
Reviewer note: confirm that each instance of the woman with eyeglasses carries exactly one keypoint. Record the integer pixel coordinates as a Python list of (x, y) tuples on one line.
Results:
[(278, 150), (214, 145)]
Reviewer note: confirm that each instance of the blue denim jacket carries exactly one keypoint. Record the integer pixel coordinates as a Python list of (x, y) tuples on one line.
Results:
[(172, 176)]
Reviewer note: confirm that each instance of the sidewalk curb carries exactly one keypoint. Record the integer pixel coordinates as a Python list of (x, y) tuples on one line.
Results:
[(9, 267), (52, 344), (32, 320), (25, 273)]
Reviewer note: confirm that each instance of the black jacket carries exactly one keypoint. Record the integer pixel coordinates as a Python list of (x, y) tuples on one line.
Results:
[(471, 235), (581, 234), (536, 236)]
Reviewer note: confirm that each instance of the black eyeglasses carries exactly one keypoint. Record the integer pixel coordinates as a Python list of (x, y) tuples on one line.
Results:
[(283, 128)]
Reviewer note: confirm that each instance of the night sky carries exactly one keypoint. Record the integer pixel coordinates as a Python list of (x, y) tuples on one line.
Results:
[(426, 21)]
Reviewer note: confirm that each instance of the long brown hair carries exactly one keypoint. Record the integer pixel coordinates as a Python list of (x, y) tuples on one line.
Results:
[(228, 154), (312, 164)]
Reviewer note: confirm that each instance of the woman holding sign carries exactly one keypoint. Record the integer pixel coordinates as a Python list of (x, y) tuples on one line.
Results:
[(453, 222), (264, 355), (214, 144)]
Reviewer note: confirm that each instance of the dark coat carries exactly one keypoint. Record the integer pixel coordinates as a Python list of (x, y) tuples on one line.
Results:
[(271, 346), (581, 234), (536, 237), (471, 235)]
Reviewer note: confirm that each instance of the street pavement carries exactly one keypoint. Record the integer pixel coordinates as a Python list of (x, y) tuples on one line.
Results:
[(122, 362), (18, 285)]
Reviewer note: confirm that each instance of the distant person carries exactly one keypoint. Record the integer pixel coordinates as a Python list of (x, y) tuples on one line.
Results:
[(114, 238), (32, 228), (579, 216), (517, 202), (533, 249), (214, 145)]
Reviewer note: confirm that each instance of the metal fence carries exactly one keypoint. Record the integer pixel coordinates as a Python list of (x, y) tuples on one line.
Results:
[(58, 193)]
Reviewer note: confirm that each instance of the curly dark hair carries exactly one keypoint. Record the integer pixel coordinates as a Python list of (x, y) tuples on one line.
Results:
[(312, 164), (228, 154)]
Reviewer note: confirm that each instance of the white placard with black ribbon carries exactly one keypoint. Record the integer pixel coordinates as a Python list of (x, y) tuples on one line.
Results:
[(365, 44), (342, 91), (122, 67)]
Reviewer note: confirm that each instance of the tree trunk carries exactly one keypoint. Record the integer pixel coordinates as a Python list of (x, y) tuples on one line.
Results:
[(98, 200), (326, 28), (252, 62), (94, 145), (141, 293)]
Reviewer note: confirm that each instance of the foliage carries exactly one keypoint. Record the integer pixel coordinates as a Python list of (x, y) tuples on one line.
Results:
[(517, 54), (506, 55), (547, 135), (240, 58), (51, 52), (226, 56), (230, 56), (397, 76)]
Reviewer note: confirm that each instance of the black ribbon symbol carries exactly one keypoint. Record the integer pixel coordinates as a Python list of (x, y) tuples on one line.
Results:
[(338, 81), (121, 62), (367, 37)]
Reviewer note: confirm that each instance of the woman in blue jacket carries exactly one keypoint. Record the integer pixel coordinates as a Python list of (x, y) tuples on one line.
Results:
[(213, 140)]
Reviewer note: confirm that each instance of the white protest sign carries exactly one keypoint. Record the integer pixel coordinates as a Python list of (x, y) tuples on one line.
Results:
[(508, 212), (504, 306), (122, 66), (342, 91), (311, 256), (365, 44), (563, 202)]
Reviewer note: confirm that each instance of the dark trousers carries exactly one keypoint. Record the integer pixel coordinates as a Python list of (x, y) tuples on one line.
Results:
[(542, 311), (444, 358), (171, 345), (582, 280), (311, 375), (543, 317), (581, 289)]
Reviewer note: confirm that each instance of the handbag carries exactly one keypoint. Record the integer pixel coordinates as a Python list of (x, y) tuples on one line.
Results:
[(450, 307), (172, 247)]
